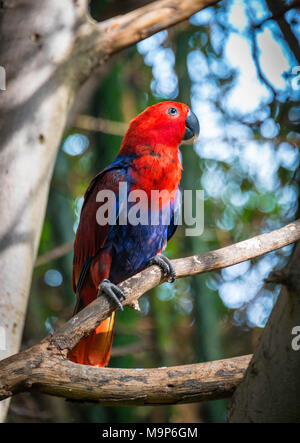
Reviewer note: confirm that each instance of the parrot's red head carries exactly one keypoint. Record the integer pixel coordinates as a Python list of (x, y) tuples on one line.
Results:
[(164, 124)]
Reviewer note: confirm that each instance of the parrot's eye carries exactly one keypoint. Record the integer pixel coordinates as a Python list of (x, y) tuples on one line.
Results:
[(172, 111)]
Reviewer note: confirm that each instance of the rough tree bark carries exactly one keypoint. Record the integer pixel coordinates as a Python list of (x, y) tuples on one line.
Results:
[(35, 40), (48, 50)]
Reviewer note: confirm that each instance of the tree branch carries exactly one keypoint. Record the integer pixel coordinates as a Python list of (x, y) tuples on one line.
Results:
[(46, 367), (139, 24), (98, 41), (54, 254), (39, 368), (90, 123), (88, 319)]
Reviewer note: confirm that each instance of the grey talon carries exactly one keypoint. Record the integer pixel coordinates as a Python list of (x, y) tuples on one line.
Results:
[(165, 265), (112, 291)]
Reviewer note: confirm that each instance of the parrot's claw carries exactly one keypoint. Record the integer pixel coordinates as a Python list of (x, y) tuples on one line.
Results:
[(165, 265), (112, 291)]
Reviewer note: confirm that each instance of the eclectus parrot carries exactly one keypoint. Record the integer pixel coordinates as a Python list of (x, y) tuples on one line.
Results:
[(105, 255)]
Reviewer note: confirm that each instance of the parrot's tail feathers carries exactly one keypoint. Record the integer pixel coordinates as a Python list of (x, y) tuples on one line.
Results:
[(95, 349)]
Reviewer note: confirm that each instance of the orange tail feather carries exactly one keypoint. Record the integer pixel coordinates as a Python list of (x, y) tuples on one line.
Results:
[(95, 349)]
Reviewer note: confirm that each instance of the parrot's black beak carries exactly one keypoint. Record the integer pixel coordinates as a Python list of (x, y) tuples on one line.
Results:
[(192, 127)]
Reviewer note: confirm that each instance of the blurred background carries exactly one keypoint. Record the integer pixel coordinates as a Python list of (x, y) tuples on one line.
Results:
[(237, 65)]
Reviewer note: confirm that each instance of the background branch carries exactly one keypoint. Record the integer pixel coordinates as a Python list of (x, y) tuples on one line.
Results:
[(124, 30), (100, 124), (55, 253)]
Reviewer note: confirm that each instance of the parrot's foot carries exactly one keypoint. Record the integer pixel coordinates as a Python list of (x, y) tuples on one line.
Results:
[(112, 291), (165, 265)]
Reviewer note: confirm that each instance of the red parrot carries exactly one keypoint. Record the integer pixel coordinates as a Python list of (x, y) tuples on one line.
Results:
[(105, 255)]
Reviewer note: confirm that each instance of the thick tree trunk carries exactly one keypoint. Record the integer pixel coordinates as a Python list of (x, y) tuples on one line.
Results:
[(36, 38), (270, 391)]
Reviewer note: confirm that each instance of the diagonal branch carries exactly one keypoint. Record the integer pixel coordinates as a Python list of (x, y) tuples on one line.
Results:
[(124, 30), (87, 320), (90, 123), (46, 367), (96, 42), (54, 254)]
